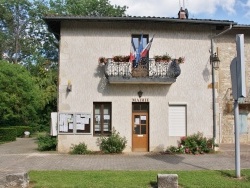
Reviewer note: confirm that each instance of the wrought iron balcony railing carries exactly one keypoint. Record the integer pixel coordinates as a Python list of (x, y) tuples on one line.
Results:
[(147, 71)]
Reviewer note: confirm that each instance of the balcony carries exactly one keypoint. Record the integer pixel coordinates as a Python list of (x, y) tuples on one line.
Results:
[(147, 71)]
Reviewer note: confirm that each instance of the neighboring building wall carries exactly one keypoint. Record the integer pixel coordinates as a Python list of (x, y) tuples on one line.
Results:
[(82, 44), (227, 51)]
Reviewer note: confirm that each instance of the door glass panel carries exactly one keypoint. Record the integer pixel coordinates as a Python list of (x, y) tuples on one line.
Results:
[(136, 106), (143, 129), (137, 129), (106, 110), (144, 106), (106, 127), (97, 127), (143, 119), (97, 119), (137, 119), (97, 109)]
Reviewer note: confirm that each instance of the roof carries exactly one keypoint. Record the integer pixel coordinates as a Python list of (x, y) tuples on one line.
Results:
[(54, 22), (242, 26)]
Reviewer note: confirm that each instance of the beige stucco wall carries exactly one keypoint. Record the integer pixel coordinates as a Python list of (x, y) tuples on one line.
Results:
[(227, 51), (83, 43)]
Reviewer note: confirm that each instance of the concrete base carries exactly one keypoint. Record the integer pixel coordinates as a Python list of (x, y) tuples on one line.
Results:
[(20, 180), (167, 180)]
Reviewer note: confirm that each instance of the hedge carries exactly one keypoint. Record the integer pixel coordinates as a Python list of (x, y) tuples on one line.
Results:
[(21, 129), (7, 134)]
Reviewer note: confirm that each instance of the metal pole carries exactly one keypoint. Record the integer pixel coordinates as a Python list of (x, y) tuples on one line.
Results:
[(213, 80), (213, 92), (237, 142)]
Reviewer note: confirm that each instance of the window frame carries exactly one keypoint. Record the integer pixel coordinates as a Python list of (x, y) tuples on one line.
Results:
[(138, 36), (102, 132)]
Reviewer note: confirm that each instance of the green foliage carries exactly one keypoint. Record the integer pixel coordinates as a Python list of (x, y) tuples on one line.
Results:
[(173, 149), (20, 97), (112, 144), (7, 134), (195, 144), (47, 143), (21, 129), (86, 8), (17, 45), (80, 149)]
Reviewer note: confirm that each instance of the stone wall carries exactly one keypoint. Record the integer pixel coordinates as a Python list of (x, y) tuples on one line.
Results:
[(227, 51)]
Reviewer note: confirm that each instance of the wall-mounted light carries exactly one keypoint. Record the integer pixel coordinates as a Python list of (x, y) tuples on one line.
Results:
[(214, 59), (69, 86), (140, 93)]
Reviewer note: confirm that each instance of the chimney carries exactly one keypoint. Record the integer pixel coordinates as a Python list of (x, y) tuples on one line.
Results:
[(182, 14)]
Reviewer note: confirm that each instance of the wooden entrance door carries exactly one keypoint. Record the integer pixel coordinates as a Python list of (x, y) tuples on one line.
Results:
[(140, 131)]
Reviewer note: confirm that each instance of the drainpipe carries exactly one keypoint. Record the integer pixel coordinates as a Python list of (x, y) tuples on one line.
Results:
[(213, 80)]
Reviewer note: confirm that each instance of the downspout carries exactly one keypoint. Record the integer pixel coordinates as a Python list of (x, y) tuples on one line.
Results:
[(213, 80)]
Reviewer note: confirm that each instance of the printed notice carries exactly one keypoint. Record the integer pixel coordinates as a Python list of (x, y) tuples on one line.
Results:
[(80, 126), (143, 117), (137, 120), (97, 118), (78, 118), (70, 125), (106, 117)]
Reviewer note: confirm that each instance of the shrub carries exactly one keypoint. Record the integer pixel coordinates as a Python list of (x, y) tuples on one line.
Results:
[(173, 149), (80, 149), (112, 144), (47, 143), (194, 144), (7, 134)]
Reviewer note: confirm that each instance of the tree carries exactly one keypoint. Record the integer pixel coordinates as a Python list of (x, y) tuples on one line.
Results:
[(14, 22), (94, 8), (45, 74), (20, 97), (25, 40)]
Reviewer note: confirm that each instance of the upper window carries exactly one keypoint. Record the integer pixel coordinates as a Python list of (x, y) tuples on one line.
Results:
[(102, 118), (137, 39)]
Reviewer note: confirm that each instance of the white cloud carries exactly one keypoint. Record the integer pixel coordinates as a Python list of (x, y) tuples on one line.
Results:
[(247, 7), (170, 8)]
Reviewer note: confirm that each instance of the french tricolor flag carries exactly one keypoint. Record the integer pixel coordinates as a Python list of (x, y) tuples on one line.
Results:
[(144, 52), (132, 51)]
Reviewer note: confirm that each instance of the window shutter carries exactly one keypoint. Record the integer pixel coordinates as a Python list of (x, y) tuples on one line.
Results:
[(177, 120)]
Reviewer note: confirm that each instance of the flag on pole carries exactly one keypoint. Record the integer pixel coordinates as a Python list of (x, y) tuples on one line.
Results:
[(138, 53), (132, 51), (145, 51)]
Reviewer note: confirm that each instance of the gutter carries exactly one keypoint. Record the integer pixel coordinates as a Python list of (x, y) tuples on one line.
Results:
[(213, 80)]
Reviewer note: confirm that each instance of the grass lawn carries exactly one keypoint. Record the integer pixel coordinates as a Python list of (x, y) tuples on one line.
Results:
[(124, 179)]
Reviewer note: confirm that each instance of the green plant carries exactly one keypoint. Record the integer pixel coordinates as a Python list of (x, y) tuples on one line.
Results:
[(80, 149), (21, 129), (46, 142), (7, 134), (195, 144), (112, 144), (174, 149), (157, 58), (166, 57), (181, 59)]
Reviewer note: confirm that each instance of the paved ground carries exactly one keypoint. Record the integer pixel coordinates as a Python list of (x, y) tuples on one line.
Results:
[(22, 155)]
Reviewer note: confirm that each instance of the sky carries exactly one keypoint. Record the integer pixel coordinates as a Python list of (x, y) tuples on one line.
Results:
[(233, 10)]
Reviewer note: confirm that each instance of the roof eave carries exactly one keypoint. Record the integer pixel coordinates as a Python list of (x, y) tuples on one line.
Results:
[(54, 22)]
